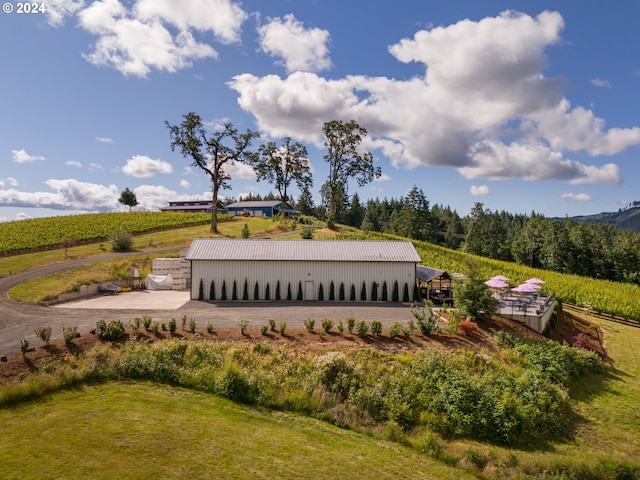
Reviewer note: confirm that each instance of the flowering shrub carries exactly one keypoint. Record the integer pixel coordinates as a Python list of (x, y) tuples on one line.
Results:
[(580, 341), (467, 326)]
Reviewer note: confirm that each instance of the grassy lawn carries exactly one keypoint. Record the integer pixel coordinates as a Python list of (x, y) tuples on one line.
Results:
[(138, 430)]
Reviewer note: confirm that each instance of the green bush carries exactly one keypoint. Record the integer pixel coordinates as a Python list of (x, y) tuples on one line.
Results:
[(376, 328), (352, 296), (374, 292), (212, 291), (146, 321), (245, 290), (320, 293), (223, 294), (256, 292), (340, 326), (289, 297), (309, 323), (234, 291), (362, 328), (427, 319), (243, 326), (278, 297), (69, 334), (299, 296), (210, 329), (44, 333), (395, 295), (264, 329), (201, 290), (192, 325), (351, 324), (394, 330), (173, 325), (363, 292), (121, 240), (327, 324), (24, 346), (385, 295), (282, 327), (272, 324), (332, 291), (307, 232), (267, 292), (405, 293), (110, 331)]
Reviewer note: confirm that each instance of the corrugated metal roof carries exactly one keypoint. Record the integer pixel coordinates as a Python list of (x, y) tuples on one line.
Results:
[(303, 250), (255, 204)]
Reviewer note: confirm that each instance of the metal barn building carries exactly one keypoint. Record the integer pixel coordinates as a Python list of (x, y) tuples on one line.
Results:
[(302, 265)]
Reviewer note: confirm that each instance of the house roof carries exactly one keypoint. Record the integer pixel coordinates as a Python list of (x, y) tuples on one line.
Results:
[(255, 204), (303, 250), (426, 274)]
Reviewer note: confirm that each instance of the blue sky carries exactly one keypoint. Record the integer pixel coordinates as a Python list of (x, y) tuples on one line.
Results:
[(520, 105)]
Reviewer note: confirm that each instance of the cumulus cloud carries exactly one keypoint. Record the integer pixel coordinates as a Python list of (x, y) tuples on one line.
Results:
[(141, 166), (73, 163), (9, 180), (104, 140), (483, 105), (68, 194), (21, 156), (382, 178), (576, 197), (58, 10), (139, 39), (297, 47), (185, 183), (597, 82), (479, 190), (240, 170)]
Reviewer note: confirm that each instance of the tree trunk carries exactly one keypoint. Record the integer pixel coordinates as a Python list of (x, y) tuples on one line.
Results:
[(214, 209)]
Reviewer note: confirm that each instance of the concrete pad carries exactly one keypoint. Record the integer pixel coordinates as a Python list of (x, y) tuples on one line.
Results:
[(143, 300)]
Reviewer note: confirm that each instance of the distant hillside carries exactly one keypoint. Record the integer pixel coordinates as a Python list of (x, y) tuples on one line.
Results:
[(626, 220)]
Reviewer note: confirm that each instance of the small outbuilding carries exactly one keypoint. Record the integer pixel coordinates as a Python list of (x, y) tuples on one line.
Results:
[(254, 269), (436, 285)]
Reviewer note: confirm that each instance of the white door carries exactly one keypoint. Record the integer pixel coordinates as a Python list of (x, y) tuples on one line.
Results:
[(309, 290)]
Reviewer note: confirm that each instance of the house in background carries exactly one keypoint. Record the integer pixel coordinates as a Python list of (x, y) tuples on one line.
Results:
[(260, 208), (197, 206)]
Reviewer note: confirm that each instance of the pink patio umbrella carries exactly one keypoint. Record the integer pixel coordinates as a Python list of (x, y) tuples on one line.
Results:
[(495, 283), (526, 288), (499, 277), (534, 280)]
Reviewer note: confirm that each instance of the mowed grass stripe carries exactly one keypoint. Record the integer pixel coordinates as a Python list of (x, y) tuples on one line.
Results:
[(140, 430)]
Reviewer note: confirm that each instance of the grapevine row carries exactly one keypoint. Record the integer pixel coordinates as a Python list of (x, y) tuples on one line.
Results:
[(43, 233)]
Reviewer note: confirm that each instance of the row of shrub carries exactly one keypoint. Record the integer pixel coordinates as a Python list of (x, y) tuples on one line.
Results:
[(459, 394), (332, 294)]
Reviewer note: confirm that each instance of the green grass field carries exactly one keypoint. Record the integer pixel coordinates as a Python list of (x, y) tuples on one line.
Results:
[(144, 431)]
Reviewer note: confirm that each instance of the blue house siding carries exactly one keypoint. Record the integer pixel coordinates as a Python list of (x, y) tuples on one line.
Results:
[(267, 208)]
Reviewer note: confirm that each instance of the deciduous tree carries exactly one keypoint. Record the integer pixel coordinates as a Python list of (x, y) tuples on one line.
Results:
[(212, 151), (128, 198), (343, 140)]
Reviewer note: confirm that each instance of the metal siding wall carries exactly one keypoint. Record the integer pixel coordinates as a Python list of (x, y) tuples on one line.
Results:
[(318, 272)]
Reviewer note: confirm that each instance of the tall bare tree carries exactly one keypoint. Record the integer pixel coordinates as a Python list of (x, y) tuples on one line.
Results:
[(283, 165), (345, 161), (212, 151)]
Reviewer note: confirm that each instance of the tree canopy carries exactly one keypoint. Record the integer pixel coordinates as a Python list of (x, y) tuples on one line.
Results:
[(343, 140), (212, 151), (128, 198)]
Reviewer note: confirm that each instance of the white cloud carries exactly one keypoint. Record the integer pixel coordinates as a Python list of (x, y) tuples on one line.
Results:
[(23, 216), (137, 40), (299, 48), (21, 156), (73, 163), (57, 10), (95, 166), (12, 181), (221, 17), (533, 162), (68, 194), (141, 166), (104, 140), (184, 183), (576, 197), (382, 178), (483, 105), (240, 170), (479, 190), (597, 82), (1, 185)]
